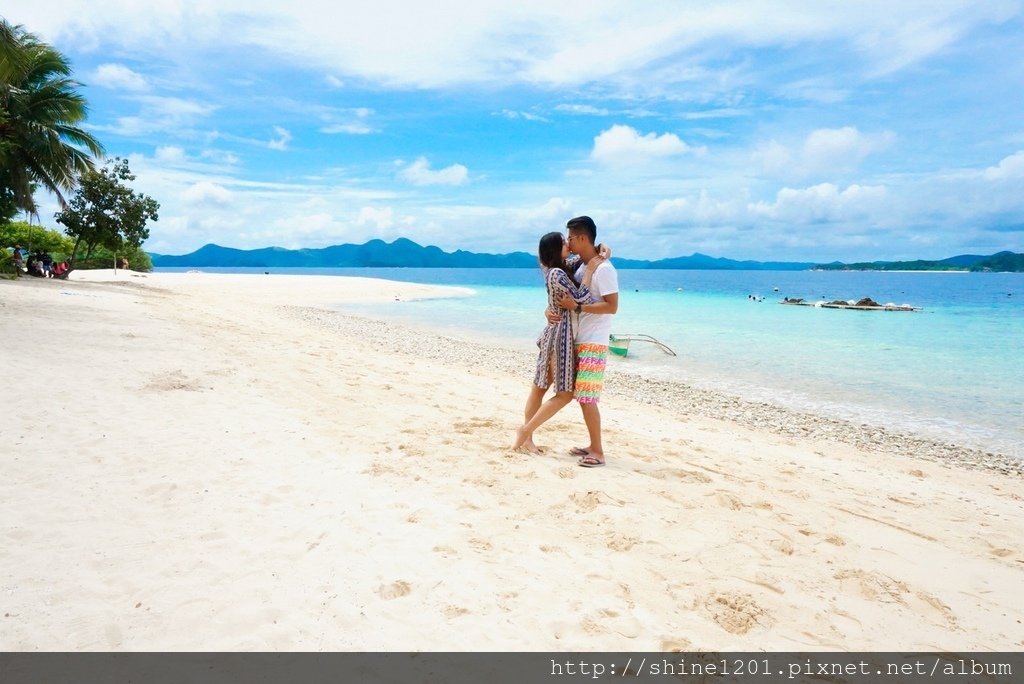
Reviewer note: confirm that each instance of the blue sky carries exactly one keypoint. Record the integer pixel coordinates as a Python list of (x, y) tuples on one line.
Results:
[(752, 130)]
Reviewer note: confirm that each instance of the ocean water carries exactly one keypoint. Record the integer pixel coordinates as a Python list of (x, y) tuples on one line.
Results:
[(953, 371)]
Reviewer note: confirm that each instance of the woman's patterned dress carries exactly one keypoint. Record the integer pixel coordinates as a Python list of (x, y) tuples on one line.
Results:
[(557, 357)]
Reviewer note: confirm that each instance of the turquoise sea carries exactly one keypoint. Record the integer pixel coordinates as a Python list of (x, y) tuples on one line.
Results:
[(953, 371)]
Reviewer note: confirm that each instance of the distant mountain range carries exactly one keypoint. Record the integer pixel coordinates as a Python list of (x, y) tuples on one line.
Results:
[(1000, 262), (406, 253)]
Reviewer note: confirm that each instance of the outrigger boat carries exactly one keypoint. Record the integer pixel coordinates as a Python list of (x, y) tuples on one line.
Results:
[(619, 344)]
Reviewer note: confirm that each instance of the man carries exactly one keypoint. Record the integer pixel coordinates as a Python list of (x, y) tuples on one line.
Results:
[(595, 326), (19, 264)]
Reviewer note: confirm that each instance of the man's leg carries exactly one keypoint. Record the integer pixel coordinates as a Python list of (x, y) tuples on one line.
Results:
[(591, 360), (592, 417)]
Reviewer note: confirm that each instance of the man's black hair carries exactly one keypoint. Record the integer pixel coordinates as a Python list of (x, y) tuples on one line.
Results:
[(584, 225)]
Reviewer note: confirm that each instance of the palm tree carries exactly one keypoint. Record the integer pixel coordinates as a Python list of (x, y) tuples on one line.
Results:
[(40, 107)]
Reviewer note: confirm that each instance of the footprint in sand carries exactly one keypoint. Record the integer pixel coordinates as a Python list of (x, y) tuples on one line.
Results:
[(313, 544), (783, 546), (924, 603), (394, 590), (445, 551), (676, 645), (905, 501), (567, 473), (592, 499), (669, 496), (734, 612), (175, 380), (624, 625), (681, 475), (621, 542), (455, 611), (473, 424), (480, 544), (873, 586), (728, 500)]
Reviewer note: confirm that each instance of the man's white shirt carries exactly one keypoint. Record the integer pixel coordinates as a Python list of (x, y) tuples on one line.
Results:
[(596, 328)]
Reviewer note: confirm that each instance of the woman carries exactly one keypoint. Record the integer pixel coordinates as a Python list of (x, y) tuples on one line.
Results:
[(556, 360)]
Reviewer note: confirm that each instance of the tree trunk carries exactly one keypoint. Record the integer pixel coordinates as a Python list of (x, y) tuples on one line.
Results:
[(71, 261)]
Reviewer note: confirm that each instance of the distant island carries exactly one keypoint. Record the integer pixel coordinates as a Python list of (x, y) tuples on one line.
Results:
[(1000, 262), (404, 253)]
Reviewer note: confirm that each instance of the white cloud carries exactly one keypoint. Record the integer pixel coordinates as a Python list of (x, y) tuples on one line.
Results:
[(826, 150), (220, 156), (334, 81), (822, 202), (623, 144), (159, 114), (175, 107), (701, 211), (119, 77), (582, 109), (548, 217), (349, 128), (534, 41), (512, 114), (1009, 167), (382, 219), (420, 173), (827, 147), (282, 139), (170, 154), (206, 192), (351, 121)]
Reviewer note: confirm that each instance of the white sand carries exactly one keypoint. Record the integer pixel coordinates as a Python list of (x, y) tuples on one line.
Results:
[(190, 465)]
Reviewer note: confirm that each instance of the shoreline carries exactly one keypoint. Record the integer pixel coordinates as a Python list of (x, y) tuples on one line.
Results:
[(196, 463), (679, 397)]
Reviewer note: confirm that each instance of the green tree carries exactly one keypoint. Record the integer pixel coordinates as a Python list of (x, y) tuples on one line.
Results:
[(40, 109), (106, 213), (34, 238)]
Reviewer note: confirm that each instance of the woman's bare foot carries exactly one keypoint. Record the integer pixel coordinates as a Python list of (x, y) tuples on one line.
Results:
[(533, 448), (524, 443)]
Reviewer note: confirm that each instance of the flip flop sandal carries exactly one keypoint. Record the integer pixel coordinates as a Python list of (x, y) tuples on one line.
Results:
[(590, 462)]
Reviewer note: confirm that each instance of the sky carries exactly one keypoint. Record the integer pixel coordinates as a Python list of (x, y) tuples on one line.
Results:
[(799, 131)]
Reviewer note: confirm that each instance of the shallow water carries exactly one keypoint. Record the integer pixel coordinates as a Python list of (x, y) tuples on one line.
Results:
[(954, 371)]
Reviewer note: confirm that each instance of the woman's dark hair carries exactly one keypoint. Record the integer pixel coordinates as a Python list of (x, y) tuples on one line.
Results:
[(549, 253)]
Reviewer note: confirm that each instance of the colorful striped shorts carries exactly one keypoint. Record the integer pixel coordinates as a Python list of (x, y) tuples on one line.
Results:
[(590, 362)]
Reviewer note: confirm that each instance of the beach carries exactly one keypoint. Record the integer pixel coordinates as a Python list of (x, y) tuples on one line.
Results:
[(202, 461)]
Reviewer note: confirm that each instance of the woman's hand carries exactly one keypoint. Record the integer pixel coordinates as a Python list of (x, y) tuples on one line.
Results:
[(567, 302)]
